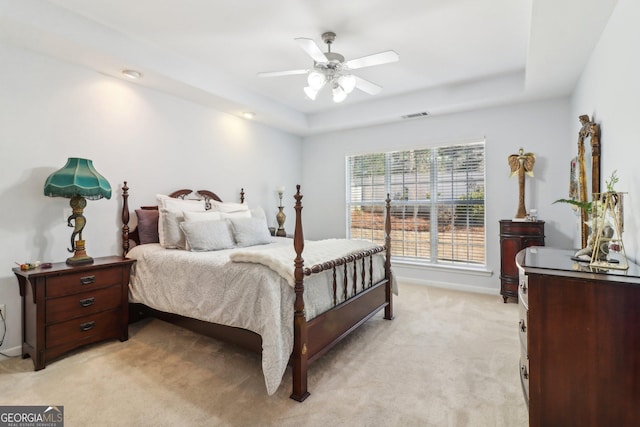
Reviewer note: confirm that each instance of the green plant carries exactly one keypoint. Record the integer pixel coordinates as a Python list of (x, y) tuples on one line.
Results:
[(579, 205), (612, 181)]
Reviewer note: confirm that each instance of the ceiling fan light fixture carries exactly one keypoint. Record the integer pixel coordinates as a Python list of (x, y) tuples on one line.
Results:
[(316, 80), (347, 82), (339, 94), (311, 93)]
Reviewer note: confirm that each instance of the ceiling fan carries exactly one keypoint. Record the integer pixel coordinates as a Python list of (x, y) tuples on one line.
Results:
[(330, 68)]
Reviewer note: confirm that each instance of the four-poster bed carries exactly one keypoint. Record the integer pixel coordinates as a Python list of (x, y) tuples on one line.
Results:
[(359, 285)]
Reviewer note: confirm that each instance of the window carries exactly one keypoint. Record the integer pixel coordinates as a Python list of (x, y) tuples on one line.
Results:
[(437, 202)]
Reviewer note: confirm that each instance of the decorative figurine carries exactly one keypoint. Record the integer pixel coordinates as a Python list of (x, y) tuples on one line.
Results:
[(521, 163)]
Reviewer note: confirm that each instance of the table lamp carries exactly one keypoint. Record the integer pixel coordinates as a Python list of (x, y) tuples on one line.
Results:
[(77, 180)]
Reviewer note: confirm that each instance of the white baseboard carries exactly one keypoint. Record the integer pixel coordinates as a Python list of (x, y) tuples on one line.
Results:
[(447, 285), (12, 352)]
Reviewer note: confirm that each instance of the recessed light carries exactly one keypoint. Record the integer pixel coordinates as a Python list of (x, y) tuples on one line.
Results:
[(132, 74), (248, 115)]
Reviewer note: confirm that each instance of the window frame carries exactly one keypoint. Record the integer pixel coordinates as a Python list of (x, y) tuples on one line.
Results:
[(433, 204)]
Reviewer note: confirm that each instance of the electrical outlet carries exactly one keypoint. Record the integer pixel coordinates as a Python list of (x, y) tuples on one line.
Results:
[(3, 310)]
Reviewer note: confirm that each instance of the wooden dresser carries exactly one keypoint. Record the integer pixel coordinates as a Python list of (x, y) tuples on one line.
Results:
[(65, 307), (515, 236), (580, 341)]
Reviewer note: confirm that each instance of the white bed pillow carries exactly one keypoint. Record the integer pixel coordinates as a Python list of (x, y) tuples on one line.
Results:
[(180, 204), (207, 235), (171, 214), (228, 207), (258, 213), (201, 216), (169, 231), (250, 231), (234, 215)]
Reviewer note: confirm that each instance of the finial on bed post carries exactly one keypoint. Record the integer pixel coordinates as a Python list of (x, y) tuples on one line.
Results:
[(388, 310), (125, 219), (242, 195), (299, 356)]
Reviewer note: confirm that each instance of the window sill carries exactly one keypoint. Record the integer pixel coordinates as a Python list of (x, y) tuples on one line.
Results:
[(450, 268)]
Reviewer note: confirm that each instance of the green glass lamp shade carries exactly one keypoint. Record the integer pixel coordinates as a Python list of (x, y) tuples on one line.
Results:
[(77, 178)]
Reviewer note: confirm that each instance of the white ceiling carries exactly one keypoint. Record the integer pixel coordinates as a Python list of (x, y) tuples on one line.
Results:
[(454, 54)]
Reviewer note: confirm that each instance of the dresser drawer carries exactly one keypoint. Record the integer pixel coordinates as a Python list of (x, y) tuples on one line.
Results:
[(522, 327), (93, 327), (78, 305), (523, 290), (69, 284), (522, 228), (524, 377)]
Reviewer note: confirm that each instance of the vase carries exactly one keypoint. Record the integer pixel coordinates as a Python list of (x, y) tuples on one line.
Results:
[(280, 218)]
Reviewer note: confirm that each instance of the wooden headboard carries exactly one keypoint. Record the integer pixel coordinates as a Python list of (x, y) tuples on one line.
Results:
[(132, 235)]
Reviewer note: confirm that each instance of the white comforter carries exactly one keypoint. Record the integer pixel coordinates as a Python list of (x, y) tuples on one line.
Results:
[(209, 286)]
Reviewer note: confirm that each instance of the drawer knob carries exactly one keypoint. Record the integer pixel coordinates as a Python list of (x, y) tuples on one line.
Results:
[(87, 326), (87, 280), (87, 302), (523, 285), (523, 327)]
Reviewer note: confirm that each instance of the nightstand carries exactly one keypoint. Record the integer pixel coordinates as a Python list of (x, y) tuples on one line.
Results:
[(65, 307)]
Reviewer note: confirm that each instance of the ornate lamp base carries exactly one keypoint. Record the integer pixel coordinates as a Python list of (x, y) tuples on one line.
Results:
[(80, 256), (281, 217)]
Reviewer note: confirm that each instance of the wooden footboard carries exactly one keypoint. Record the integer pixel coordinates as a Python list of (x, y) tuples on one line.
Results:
[(361, 299), (314, 338)]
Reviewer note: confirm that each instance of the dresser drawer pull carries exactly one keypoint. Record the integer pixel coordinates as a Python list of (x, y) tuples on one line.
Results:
[(87, 302), (525, 374), (523, 327), (87, 280), (87, 326), (523, 285)]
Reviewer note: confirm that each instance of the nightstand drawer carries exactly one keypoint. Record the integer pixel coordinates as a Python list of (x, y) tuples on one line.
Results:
[(83, 329), (78, 305), (68, 284)]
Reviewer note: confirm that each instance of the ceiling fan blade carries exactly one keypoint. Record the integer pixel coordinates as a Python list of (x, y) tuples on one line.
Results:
[(282, 73), (375, 59), (367, 87), (312, 49)]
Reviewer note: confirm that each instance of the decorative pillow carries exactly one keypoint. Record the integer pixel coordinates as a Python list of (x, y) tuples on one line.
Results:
[(148, 225), (250, 231), (170, 234), (201, 216), (228, 207), (258, 213), (180, 204), (207, 235), (233, 215)]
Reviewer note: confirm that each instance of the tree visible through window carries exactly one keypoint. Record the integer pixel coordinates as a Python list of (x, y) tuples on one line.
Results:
[(437, 195)]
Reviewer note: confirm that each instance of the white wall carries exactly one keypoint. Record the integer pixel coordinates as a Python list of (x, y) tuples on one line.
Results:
[(609, 92), (51, 110), (541, 127)]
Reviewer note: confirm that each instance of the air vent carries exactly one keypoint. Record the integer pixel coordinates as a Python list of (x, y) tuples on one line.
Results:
[(416, 115)]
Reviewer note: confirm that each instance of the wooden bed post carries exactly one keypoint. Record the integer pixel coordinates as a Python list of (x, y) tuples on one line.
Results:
[(299, 356), (125, 219), (388, 310)]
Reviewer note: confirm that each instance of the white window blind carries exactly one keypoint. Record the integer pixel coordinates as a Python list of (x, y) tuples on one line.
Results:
[(437, 198)]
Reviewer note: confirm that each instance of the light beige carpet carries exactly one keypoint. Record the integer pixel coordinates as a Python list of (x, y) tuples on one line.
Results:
[(448, 359)]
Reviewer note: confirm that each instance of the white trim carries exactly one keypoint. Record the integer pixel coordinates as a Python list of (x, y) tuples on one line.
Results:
[(445, 268), (12, 352), (446, 285)]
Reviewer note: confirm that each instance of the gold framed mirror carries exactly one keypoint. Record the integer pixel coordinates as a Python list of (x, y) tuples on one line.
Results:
[(588, 168)]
